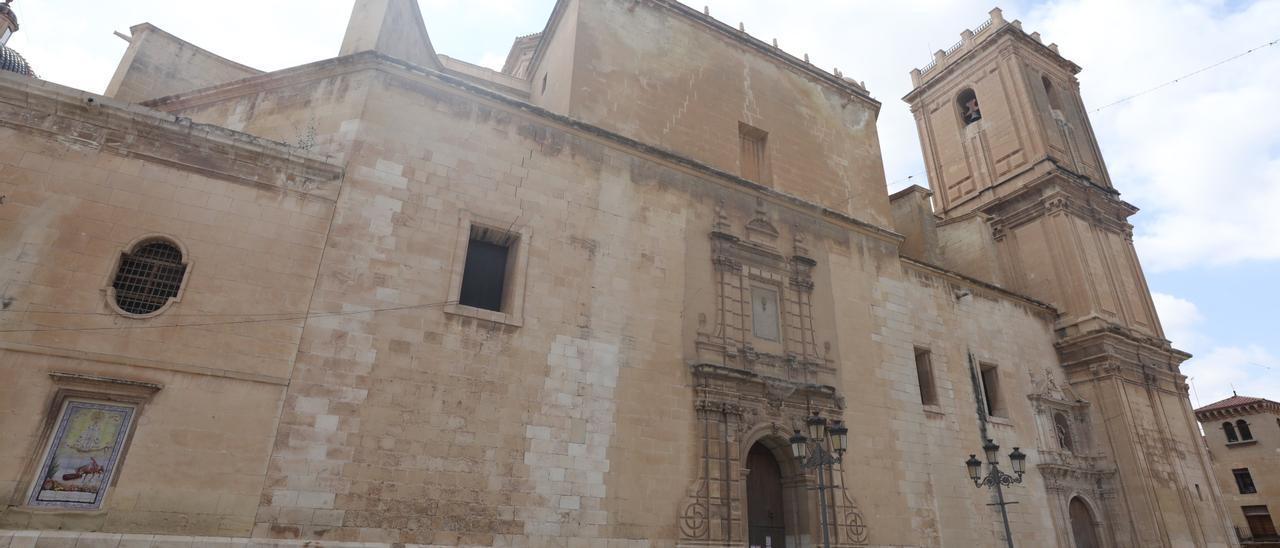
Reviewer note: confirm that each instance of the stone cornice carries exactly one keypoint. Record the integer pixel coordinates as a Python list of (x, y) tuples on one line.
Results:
[(88, 121), (1058, 190), (399, 69), (985, 287), (1009, 32), (1125, 354)]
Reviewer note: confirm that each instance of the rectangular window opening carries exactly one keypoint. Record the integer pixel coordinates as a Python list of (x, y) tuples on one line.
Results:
[(991, 391), (924, 373), (753, 154), (1244, 481), (487, 268)]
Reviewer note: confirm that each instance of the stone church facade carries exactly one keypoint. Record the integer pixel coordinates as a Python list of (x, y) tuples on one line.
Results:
[(394, 298)]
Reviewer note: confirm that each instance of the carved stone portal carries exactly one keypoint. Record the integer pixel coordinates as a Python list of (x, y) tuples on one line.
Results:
[(737, 409), (758, 372)]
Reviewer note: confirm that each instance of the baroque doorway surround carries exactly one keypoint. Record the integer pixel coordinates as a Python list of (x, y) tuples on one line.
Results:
[(758, 371)]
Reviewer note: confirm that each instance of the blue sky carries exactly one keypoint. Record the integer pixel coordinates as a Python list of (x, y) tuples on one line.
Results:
[(1201, 158)]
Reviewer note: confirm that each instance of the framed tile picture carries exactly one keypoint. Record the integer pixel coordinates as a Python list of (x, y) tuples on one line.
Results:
[(82, 454)]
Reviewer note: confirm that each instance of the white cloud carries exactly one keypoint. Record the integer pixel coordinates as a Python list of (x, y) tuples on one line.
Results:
[(1181, 319), (1216, 370), (1250, 370), (493, 60), (1199, 156)]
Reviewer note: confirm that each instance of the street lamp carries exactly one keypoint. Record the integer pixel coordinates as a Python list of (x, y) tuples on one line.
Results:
[(997, 479), (822, 457)]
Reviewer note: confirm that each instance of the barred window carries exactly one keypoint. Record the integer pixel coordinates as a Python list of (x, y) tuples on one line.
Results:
[(148, 277)]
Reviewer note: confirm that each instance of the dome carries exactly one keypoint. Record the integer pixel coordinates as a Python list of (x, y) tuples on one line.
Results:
[(13, 62)]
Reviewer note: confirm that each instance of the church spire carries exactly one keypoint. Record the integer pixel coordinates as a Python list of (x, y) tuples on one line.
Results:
[(390, 27)]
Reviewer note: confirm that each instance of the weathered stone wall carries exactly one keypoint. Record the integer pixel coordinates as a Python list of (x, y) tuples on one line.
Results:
[(315, 108), (157, 64), (453, 430), (920, 495), (428, 425), (384, 412), (82, 181), (914, 219), (677, 84), (1164, 445), (555, 61)]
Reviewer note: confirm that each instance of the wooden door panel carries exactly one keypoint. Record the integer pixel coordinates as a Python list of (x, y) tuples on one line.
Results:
[(766, 514)]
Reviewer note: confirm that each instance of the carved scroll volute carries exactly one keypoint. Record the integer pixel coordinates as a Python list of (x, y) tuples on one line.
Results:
[(851, 526), (695, 516)]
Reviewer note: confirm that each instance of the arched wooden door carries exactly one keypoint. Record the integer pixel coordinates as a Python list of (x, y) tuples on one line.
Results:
[(766, 516), (1082, 525)]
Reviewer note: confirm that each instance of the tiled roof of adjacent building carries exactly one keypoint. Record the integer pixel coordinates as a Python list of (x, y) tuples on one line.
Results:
[(12, 62), (1235, 400)]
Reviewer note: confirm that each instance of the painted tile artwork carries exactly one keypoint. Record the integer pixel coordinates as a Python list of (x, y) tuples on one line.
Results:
[(82, 455)]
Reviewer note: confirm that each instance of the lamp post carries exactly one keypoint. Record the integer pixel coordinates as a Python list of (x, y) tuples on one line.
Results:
[(997, 479), (823, 457)]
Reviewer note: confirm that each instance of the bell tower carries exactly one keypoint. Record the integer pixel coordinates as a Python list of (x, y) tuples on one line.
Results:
[(1012, 159), (1006, 136), (994, 105)]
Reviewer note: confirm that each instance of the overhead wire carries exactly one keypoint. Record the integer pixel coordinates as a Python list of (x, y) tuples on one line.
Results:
[(1188, 75), (225, 323)]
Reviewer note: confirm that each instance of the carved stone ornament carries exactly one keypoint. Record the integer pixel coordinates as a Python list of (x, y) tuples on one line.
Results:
[(760, 230), (735, 409), (742, 266)]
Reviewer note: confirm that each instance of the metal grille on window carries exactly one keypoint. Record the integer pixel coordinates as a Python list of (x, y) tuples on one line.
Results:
[(148, 277)]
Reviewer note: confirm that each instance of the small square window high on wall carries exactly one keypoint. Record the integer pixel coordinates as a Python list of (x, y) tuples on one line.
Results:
[(489, 269), (484, 277), (924, 375)]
